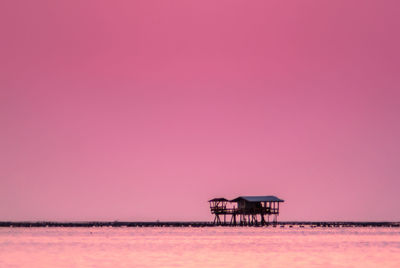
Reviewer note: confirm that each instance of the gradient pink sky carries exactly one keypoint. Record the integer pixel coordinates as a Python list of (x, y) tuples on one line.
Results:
[(144, 110)]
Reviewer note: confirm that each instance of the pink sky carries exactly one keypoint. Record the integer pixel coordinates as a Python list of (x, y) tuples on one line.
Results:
[(144, 110)]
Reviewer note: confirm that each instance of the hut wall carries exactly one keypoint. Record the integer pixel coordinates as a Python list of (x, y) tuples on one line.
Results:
[(243, 204)]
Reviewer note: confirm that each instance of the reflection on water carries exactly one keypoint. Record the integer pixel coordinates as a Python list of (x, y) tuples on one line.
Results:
[(200, 247)]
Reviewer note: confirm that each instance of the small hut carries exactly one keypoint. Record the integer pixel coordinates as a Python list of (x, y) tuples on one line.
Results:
[(218, 207), (245, 210)]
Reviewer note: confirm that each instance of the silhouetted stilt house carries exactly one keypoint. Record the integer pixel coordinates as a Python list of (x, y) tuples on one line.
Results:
[(245, 210)]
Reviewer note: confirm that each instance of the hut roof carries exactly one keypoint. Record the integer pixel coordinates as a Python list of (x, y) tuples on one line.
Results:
[(267, 198), (218, 199)]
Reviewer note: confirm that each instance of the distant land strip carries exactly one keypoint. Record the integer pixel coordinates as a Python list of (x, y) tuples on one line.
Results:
[(283, 224)]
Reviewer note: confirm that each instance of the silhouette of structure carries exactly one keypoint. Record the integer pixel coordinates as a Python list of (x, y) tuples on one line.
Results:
[(245, 210)]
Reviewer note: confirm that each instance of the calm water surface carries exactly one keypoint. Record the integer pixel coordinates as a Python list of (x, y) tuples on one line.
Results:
[(200, 247)]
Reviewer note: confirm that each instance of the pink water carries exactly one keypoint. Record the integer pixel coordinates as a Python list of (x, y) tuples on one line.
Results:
[(200, 247)]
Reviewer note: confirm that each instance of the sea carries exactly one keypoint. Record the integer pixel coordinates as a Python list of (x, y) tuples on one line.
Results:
[(281, 247)]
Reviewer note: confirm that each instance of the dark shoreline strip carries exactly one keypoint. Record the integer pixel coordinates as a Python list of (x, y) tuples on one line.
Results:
[(193, 224)]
